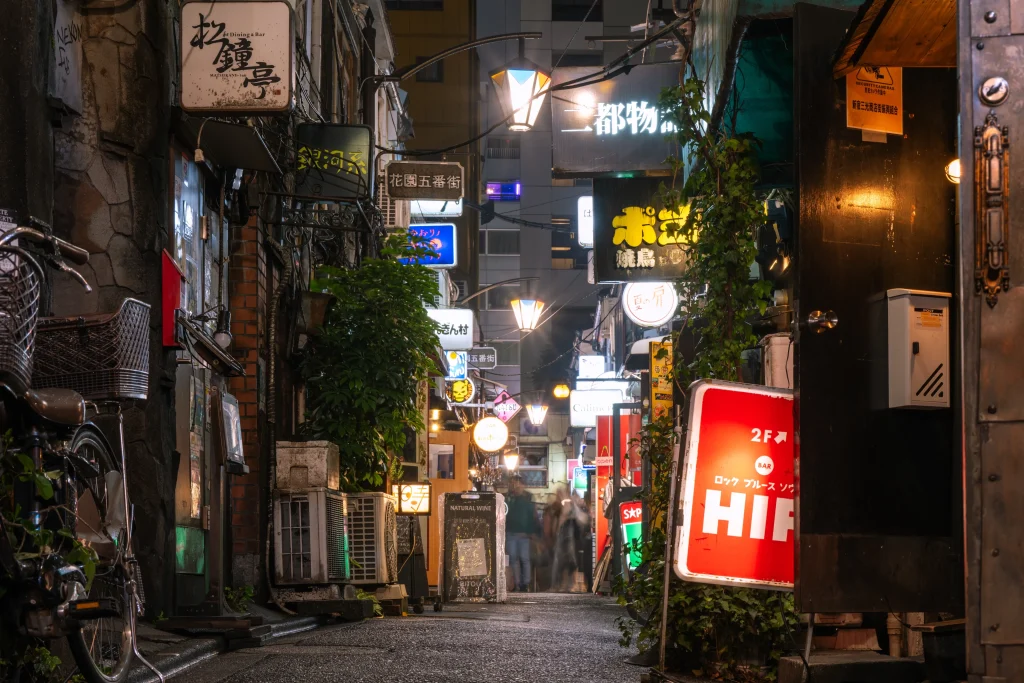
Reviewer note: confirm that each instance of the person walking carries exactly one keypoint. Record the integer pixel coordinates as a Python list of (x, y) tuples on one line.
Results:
[(520, 527), (572, 522)]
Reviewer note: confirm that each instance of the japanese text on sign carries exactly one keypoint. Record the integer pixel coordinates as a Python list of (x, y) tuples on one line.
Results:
[(335, 161), (424, 180), (631, 117), (874, 99)]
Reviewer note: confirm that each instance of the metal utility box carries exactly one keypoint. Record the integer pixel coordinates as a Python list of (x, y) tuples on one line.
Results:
[(307, 464), (310, 537), (777, 366), (917, 332), (472, 552)]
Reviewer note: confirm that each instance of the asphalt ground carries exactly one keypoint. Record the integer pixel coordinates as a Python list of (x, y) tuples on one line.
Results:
[(533, 637)]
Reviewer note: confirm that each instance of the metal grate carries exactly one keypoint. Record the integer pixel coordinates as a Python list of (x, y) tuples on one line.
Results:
[(100, 356), (296, 553), (19, 310), (337, 540), (373, 529)]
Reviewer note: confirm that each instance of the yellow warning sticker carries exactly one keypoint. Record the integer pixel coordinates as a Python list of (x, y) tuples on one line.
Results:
[(928, 317), (874, 99)]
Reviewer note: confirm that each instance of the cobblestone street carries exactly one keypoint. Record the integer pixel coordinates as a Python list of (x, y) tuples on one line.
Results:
[(535, 637)]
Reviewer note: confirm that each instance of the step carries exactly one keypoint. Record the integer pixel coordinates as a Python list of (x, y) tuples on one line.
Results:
[(853, 667)]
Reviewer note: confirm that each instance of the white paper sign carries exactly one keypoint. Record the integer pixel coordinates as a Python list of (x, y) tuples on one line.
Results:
[(457, 330), (236, 56)]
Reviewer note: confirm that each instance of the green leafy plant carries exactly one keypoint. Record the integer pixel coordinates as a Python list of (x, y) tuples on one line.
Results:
[(239, 598), (22, 656), (728, 633), (378, 609), (376, 345)]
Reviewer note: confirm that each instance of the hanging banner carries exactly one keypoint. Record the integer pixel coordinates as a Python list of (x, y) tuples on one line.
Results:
[(661, 379), (874, 99), (738, 487), (634, 234)]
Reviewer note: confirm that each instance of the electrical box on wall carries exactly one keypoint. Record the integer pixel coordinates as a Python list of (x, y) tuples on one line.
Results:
[(917, 334)]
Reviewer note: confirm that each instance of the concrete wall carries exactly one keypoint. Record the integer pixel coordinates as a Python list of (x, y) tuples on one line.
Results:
[(110, 196)]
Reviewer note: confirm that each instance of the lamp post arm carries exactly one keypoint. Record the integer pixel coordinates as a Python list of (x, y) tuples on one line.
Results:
[(496, 284), (412, 69)]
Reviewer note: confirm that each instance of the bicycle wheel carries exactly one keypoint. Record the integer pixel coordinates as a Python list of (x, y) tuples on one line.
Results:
[(102, 648)]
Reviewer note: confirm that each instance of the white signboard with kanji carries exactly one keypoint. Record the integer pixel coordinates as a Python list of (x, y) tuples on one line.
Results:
[(456, 333), (236, 56)]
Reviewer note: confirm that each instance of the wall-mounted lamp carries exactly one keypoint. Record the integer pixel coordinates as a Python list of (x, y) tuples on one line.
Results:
[(561, 390), (223, 334), (953, 171)]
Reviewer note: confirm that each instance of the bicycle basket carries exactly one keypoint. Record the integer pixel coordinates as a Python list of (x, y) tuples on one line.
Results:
[(19, 310), (102, 357)]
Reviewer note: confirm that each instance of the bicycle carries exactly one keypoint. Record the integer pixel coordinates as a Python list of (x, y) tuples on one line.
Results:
[(87, 514)]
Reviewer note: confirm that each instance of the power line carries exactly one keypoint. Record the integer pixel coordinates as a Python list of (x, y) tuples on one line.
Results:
[(574, 33)]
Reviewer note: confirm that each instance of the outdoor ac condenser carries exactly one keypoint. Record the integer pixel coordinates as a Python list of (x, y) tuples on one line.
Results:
[(310, 537), (373, 536), (395, 211)]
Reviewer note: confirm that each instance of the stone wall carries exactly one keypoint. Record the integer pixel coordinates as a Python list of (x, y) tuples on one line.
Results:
[(110, 196)]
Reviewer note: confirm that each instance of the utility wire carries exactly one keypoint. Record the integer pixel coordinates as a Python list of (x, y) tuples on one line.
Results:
[(574, 33)]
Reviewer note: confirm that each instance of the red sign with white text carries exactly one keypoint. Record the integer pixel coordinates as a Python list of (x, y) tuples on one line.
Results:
[(738, 488)]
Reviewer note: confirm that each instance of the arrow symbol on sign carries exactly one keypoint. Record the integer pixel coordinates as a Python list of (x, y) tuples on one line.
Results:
[(780, 437)]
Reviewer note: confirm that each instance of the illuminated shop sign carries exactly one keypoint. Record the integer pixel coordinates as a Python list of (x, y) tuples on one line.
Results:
[(636, 238), (614, 126)]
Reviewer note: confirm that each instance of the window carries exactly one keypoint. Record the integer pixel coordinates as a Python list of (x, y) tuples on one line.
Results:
[(421, 5), (500, 298), (503, 148), (582, 58), (508, 351), (432, 74), (510, 191), (575, 10), (566, 252), (533, 466), (499, 242)]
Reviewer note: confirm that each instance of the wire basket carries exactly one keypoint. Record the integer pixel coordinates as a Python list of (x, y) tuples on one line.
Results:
[(102, 357), (19, 311)]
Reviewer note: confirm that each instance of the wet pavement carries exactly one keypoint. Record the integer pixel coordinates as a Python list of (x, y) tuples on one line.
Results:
[(534, 637)]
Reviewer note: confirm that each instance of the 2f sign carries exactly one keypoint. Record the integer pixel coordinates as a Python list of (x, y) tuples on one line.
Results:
[(738, 487)]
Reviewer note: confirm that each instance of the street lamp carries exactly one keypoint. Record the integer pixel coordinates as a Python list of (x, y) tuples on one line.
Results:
[(561, 390), (537, 413), (511, 460), (527, 312), (521, 87)]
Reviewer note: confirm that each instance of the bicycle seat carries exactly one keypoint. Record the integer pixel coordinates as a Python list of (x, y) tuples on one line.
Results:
[(60, 407)]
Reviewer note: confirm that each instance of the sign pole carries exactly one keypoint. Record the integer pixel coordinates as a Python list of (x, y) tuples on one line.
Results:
[(670, 532)]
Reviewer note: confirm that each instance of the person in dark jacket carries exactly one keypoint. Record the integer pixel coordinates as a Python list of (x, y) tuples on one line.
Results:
[(520, 527)]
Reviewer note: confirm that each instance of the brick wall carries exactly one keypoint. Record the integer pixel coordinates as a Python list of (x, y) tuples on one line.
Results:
[(248, 304)]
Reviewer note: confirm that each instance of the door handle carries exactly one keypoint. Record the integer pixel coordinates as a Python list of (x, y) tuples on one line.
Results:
[(991, 207), (822, 321)]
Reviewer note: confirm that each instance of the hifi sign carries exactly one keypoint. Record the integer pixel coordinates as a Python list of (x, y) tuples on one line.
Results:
[(585, 406), (738, 490)]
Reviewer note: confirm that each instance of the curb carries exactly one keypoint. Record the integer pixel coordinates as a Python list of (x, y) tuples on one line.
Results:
[(195, 652)]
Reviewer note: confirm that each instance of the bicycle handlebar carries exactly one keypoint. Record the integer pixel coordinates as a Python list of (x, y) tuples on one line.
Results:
[(76, 255)]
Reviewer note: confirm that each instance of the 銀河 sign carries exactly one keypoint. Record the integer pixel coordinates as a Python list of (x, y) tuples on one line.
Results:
[(439, 238), (615, 125), (635, 236), (332, 161), (236, 57), (456, 333)]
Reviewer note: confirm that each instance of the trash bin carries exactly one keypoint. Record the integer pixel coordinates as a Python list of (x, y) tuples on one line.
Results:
[(472, 553)]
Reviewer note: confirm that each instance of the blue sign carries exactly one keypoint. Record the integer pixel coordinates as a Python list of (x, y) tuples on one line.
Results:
[(439, 237), (458, 364)]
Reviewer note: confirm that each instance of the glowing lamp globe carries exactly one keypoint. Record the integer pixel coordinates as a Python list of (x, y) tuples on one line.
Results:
[(521, 88), (527, 313)]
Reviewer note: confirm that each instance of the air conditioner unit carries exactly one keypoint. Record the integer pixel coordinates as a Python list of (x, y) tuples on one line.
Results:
[(443, 298), (395, 211), (373, 536), (462, 287), (310, 537)]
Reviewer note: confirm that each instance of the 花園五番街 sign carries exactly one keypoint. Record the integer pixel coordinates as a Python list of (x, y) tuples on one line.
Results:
[(483, 357), (424, 180), (738, 487), (236, 56), (874, 99), (332, 161), (635, 237)]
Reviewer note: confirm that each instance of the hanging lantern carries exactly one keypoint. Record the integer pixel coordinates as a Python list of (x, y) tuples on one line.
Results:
[(521, 88), (527, 312)]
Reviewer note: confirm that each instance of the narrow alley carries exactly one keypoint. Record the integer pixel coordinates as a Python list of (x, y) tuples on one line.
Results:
[(533, 637)]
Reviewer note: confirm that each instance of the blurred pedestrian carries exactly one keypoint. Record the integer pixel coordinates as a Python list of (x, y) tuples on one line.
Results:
[(573, 524), (520, 527)]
